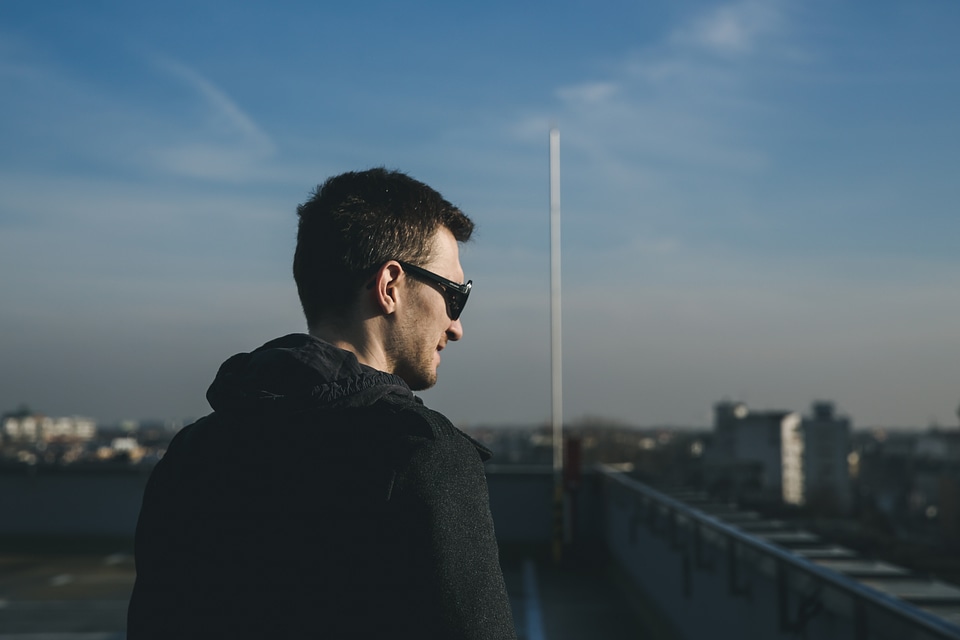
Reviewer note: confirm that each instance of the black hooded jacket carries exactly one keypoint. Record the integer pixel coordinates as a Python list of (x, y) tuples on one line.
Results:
[(320, 499)]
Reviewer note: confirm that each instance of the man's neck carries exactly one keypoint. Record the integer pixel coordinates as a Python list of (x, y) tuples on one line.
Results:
[(359, 343)]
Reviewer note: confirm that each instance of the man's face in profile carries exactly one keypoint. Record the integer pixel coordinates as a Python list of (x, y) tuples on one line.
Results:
[(425, 327)]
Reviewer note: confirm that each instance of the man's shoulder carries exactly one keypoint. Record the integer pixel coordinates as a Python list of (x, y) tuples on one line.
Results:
[(420, 421)]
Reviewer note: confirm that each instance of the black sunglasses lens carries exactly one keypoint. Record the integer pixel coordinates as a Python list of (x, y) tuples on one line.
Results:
[(455, 302), (455, 297)]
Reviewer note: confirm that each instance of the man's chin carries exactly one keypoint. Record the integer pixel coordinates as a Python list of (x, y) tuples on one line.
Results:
[(419, 380)]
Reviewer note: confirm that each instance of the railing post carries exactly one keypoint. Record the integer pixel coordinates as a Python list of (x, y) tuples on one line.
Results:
[(808, 606), (733, 571), (633, 523), (687, 569), (653, 515), (700, 560), (674, 520), (860, 626), (783, 598)]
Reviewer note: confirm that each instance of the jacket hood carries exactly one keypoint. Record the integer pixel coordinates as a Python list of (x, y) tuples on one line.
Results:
[(299, 372)]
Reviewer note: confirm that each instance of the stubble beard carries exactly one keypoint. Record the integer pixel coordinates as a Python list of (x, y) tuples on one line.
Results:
[(417, 370), (414, 358)]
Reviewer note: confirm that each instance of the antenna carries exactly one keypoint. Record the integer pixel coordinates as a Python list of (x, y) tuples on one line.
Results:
[(556, 357), (560, 515)]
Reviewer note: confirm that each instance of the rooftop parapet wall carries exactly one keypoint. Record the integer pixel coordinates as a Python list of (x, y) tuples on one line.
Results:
[(706, 566)]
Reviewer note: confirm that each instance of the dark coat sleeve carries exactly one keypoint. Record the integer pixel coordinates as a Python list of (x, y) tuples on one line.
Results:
[(445, 486)]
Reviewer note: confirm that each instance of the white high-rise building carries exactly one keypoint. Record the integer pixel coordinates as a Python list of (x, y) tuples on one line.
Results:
[(744, 437), (815, 467)]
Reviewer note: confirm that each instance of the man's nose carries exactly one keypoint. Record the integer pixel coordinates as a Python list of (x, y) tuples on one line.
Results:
[(455, 330)]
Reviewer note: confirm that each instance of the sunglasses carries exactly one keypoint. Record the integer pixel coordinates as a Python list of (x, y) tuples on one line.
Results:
[(455, 294)]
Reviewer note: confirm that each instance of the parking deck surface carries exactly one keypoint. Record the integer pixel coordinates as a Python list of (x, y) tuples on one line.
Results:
[(83, 596)]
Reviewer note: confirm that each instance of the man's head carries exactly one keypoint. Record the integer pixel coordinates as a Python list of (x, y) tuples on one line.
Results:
[(355, 235)]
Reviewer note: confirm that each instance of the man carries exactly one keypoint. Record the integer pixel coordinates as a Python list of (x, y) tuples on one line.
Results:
[(321, 499)]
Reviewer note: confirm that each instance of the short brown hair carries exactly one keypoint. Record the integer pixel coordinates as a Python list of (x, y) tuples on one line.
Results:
[(355, 222)]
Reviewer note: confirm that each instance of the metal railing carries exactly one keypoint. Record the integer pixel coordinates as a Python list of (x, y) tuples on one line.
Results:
[(707, 543)]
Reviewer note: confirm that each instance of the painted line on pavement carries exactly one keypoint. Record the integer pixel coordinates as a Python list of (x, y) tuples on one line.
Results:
[(531, 596)]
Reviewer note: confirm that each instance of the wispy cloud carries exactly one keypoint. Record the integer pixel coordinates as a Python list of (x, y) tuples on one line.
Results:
[(227, 145), (223, 106), (204, 134), (679, 94), (684, 109), (735, 28), (590, 93)]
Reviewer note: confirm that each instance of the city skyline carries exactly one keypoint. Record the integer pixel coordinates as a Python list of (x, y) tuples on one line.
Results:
[(757, 197)]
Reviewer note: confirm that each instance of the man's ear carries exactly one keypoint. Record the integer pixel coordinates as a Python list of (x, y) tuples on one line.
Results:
[(386, 287)]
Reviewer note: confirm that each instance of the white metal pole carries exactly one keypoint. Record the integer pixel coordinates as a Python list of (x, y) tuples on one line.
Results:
[(556, 356)]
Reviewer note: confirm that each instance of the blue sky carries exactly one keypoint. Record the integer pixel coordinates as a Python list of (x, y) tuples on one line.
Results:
[(758, 197)]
